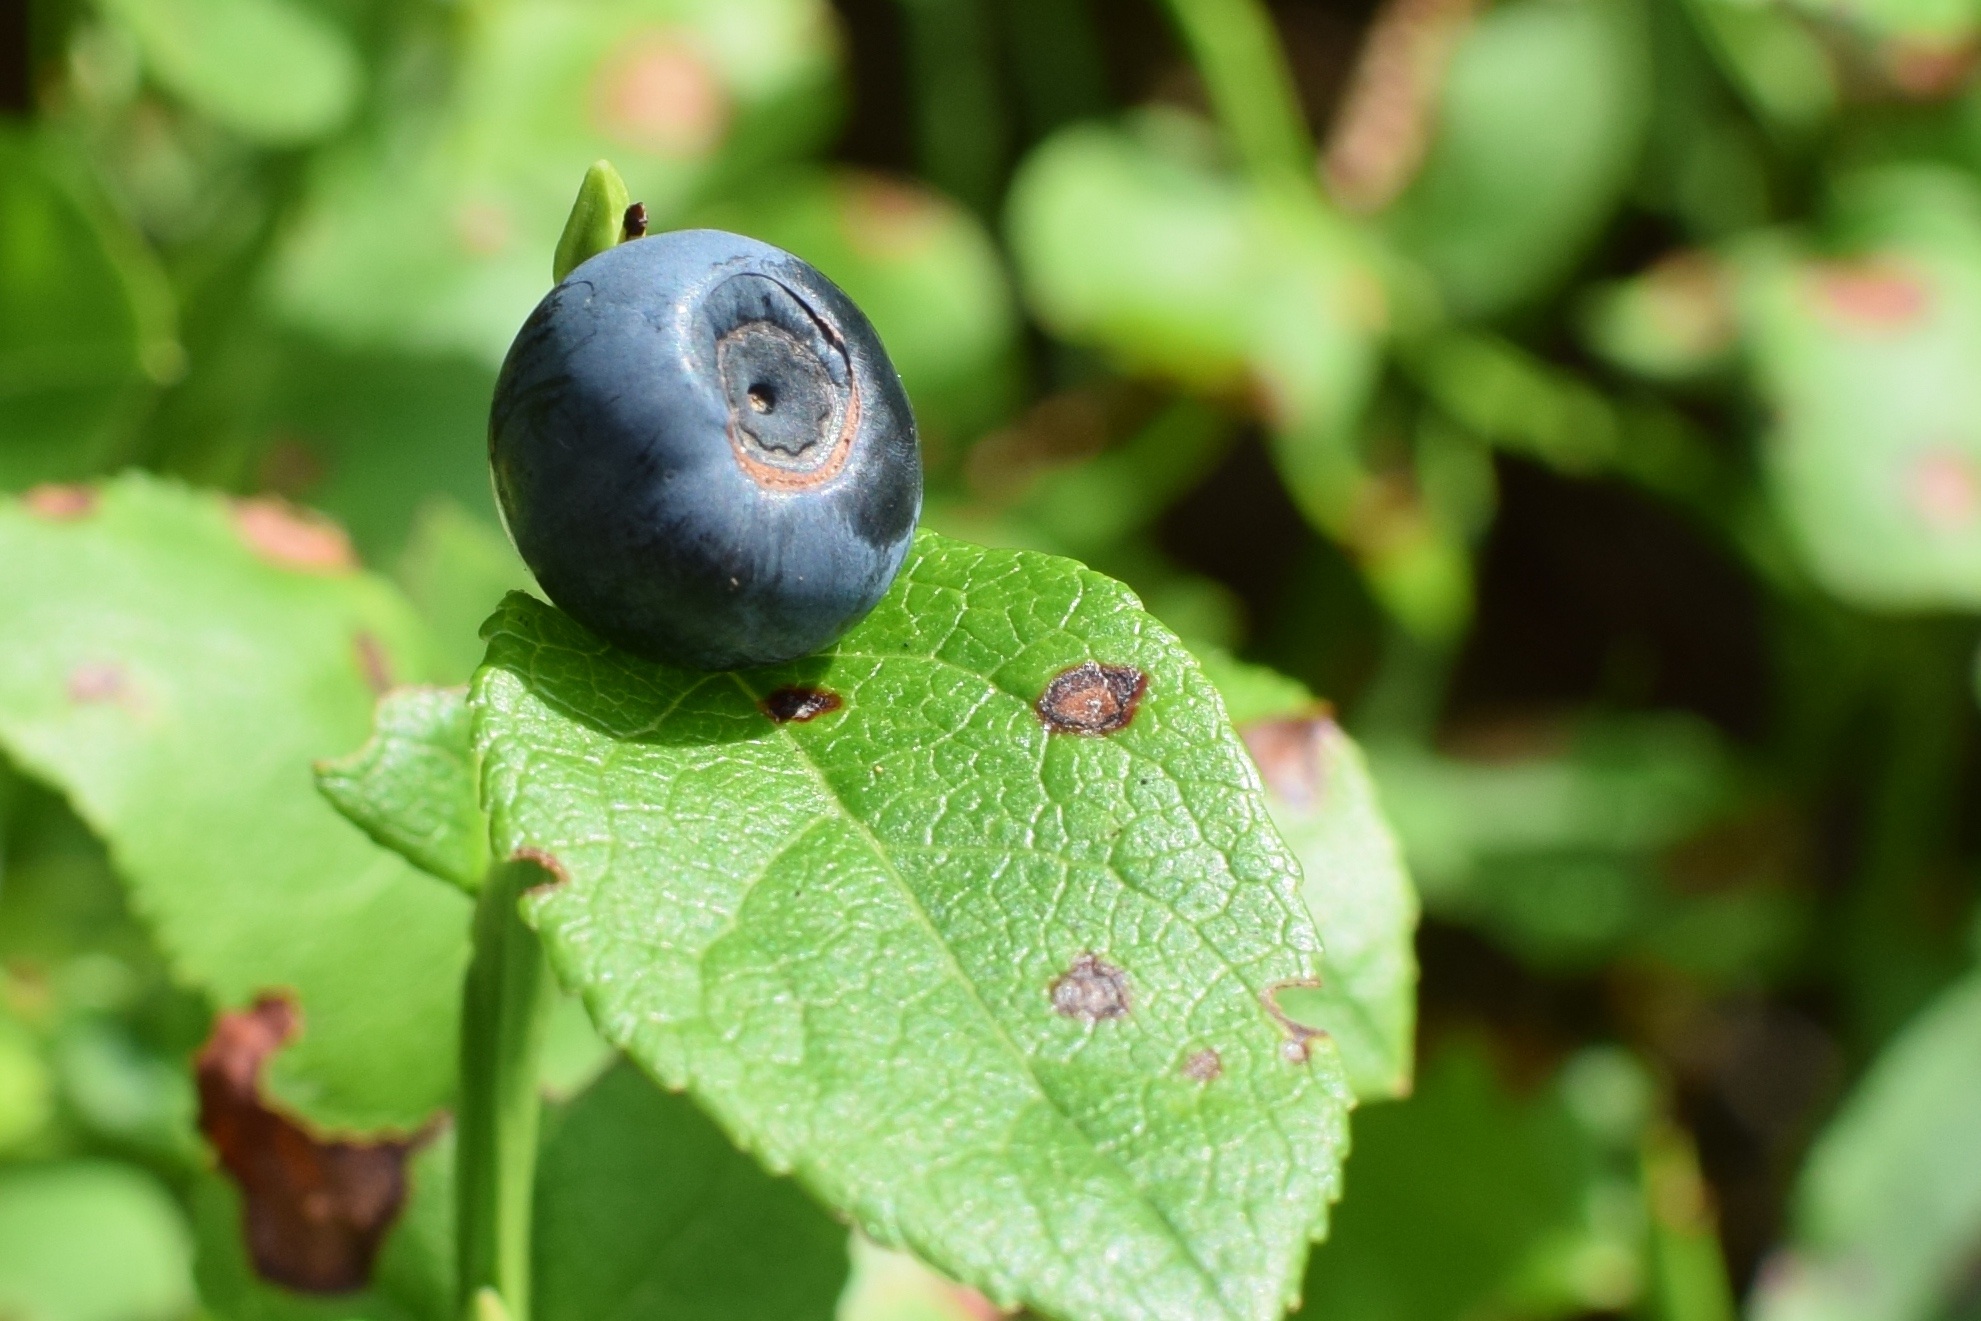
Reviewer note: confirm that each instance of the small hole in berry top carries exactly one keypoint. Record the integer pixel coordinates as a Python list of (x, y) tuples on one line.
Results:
[(762, 399)]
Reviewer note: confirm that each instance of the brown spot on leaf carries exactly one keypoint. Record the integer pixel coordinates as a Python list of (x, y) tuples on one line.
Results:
[(548, 862), (482, 227), (1945, 489), (660, 94), (94, 682), (1927, 70), (888, 220), (1203, 1066), (800, 704), (633, 225), (373, 663), (293, 538), (60, 502), (1292, 755), (1300, 1037), (1092, 698), (1091, 989), (1869, 295), (315, 1210)]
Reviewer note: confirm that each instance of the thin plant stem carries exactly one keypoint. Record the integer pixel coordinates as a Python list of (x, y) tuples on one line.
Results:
[(509, 991), (1237, 52)]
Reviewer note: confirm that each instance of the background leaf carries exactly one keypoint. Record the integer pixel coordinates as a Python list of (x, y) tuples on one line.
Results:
[(273, 70), (1888, 1217), (1325, 805), (91, 1241), (174, 665), (85, 317), (1542, 112), (1875, 460), (434, 236)]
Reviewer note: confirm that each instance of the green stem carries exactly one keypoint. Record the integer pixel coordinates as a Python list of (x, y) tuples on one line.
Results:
[(960, 129), (1237, 52), (508, 993)]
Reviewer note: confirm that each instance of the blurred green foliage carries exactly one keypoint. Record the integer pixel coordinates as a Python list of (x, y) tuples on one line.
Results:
[(1579, 395)]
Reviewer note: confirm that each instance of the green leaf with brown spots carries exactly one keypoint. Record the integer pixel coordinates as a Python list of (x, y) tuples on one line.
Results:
[(411, 787), (1324, 801), (974, 922), (1865, 364), (174, 663)]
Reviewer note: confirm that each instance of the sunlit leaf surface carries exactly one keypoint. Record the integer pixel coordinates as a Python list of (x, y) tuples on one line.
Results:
[(976, 922)]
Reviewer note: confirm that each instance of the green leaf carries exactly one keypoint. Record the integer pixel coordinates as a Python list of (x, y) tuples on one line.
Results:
[(646, 1212), (1540, 120), (1324, 803), (85, 318), (174, 664), (89, 1241), (1620, 786), (1888, 1214), (1554, 851), (1455, 1194), (1276, 293), (1280, 301), (1671, 323), (1776, 62), (597, 220), (1866, 367), (1003, 995), (27, 1098), (456, 569), (412, 786), (272, 70)]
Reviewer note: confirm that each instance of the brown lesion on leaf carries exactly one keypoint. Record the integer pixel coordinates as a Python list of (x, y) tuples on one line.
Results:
[(1927, 69), (1292, 755), (95, 683), (799, 703), (1877, 294), (60, 502), (659, 92), (373, 663), (290, 537), (1943, 485), (1203, 1066), (315, 1209), (1300, 1037), (549, 863), (1092, 698), (1091, 990)]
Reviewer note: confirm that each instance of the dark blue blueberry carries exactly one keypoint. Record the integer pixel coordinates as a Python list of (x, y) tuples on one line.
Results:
[(703, 453)]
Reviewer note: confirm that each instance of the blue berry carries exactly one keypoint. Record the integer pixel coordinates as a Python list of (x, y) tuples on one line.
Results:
[(703, 453)]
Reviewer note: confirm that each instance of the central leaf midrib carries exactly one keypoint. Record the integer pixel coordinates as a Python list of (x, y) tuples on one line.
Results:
[(845, 811)]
